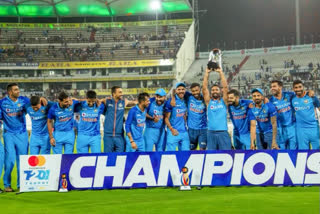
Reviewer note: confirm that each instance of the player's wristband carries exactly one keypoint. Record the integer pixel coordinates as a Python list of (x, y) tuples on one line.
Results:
[(131, 141)]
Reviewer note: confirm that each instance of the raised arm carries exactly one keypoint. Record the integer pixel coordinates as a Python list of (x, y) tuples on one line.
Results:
[(224, 84), (205, 90), (130, 103)]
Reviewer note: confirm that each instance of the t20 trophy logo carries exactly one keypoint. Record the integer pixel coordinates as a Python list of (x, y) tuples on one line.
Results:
[(63, 183), (215, 59), (185, 179)]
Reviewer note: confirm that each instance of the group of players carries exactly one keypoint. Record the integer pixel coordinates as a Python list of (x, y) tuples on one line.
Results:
[(185, 121)]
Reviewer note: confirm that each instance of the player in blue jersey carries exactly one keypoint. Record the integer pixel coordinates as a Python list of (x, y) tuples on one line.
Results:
[(196, 117), (89, 135), (113, 123), (62, 114), (1, 151), (15, 135), (155, 133), (39, 140), (307, 127), (218, 136), (175, 119), (263, 122), (135, 124), (286, 126), (238, 111)]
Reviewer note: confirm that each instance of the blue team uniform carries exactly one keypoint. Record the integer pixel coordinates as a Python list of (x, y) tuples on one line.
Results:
[(135, 124), (286, 124), (39, 140), (155, 132), (63, 127), (241, 124), (197, 121), (218, 136), (264, 127), (113, 126), (89, 135), (307, 128), (177, 121), (15, 134), (1, 149)]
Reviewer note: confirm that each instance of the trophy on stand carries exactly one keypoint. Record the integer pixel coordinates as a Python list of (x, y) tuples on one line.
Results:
[(185, 179), (63, 183), (215, 59)]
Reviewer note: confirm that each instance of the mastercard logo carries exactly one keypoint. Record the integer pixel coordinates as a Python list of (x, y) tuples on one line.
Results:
[(36, 160)]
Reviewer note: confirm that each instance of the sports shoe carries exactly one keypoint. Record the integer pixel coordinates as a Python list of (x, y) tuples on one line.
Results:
[(8, 189)]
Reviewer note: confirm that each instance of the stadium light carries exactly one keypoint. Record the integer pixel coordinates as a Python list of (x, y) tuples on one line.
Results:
[(155, 5)]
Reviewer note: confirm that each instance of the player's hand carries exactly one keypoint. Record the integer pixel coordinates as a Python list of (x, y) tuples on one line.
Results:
[(252, 146), (174, 132), (43, 101), (53, 142), (251, 105), (218, 70), (275, 146), (266, 100), (134, 145), (208, 70), (311, 93), (98, 102), (156, 119)]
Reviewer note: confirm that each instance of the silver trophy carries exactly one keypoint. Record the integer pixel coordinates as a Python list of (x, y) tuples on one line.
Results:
[(215, 59)]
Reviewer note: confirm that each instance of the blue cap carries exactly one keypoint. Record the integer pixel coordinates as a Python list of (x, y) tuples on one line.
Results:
[(180, 84), (161, 92), (257, 90)]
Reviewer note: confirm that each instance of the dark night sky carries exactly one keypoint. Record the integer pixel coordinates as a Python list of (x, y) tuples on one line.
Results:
[(227, 21)]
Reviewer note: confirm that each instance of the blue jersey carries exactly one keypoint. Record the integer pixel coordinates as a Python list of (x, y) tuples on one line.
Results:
[(136, 122), (239, 117), (113, 122), (304, 108), (63, 117), (197, 112), (155, 110), (14, 114), (285, 116), (263, 117), (39, 119), (217, 115), (178, 113), (89, 122)]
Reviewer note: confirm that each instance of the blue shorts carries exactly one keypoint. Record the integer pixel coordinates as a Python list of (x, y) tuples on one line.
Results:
[(64, 140), (14, 146), (84, 142), (113, 144), (264, 141), (153, 136), (218, 140), (181, 141), (198, 136), (39, 144), (286, 137), (308, 138), (140, 145), (241, 141), (1, 158)]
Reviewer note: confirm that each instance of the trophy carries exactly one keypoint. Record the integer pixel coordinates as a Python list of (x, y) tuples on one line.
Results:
[(215, 59), (63, 183), (185, 179)]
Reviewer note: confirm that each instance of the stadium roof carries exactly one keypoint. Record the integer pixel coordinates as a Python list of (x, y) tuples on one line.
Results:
[(76, 8)]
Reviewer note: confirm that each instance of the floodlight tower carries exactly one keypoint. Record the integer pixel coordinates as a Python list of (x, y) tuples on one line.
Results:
[(155, 5)]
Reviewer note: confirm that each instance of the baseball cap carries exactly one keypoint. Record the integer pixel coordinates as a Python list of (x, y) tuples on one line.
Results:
[(180, 84), (257, 90), (161, 92)]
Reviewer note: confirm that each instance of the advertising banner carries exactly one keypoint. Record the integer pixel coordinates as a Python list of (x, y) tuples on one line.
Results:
[(39, 172)]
